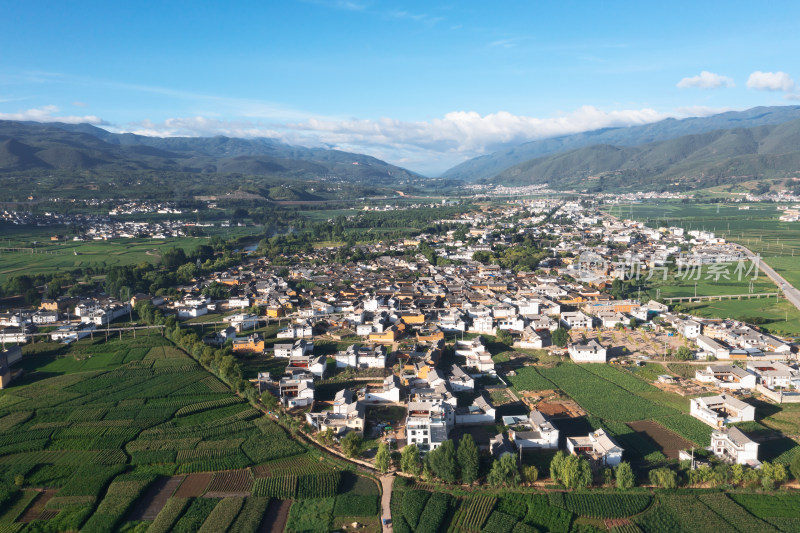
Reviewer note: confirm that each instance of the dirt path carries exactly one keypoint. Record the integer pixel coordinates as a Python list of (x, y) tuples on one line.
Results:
[(386, 503)]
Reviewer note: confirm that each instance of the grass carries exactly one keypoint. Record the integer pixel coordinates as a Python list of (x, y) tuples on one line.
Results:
[(67, 256), (710, 280), (313, 514)]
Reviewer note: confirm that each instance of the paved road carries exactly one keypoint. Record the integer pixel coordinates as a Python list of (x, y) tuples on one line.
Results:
[(386, 503), (791, 293)]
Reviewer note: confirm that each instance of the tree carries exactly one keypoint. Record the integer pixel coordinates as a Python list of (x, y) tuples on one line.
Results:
[(555, 465), (326, 437), (504, 337), (684, 354), (663, 477), (772, 474), (442, 462), (737, 474), (530, 473), (575, 472), (382, 458), (351, 444), (624, 475), (504, 472), (608, 476), (468, 459), (173, 257), (560, 337), (269, 401), (633, 323), (409, 460)]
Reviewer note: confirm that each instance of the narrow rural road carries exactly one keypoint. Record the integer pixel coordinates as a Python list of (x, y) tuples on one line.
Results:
[(791, 293), (386, 503)]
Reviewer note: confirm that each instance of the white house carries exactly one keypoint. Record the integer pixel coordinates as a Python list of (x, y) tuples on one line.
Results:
[(239, 302), (348, 414), (733, 446), (726, 377), (45, 317), (186, 311), (428, 424), (688, 328), (389, 391), (598, 446), (72, 332), (481, 412), (358, 356), (590, 352), (297, 390), (721, 410), (712, 347), (299, 348), (243, 321), (577, 320), (476, 353), (531, 339), (609, 319), (773, 374), (460, 380), (515, 324), (532, 432)]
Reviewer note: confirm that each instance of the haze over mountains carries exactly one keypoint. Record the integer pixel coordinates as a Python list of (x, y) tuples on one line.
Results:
[(33, 146)]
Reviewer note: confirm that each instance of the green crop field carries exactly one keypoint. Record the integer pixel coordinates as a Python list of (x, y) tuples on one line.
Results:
[(40, 255), (509, 511), (758, 228), (100, 422)]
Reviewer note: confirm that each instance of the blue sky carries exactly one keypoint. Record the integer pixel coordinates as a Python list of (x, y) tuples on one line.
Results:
[(420, 84)]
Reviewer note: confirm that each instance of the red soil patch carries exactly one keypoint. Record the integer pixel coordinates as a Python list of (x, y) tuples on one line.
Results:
[(553, 409), (151, 503), (274, 520), (37, 509), (194, 485), (669, 442)]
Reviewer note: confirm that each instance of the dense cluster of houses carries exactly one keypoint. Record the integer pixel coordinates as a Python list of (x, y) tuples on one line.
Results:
[(395, 312)]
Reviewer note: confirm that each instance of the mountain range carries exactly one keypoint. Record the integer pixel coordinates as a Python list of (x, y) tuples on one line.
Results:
[(26, 146), (762, 142), (498, 166), (688, 162)]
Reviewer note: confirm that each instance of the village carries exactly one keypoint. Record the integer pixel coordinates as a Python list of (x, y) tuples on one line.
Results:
[(420, 348)]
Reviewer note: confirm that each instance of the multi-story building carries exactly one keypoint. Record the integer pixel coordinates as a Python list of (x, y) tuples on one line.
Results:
[(428, 424), (733, 446)]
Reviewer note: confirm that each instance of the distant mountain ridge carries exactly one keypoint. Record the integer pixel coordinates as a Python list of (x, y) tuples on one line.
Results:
[(488, 166), (691, 161), (40, 146)]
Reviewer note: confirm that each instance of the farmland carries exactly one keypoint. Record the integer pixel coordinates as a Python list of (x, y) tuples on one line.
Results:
[(758, 228), (564, 512), (134, 430)]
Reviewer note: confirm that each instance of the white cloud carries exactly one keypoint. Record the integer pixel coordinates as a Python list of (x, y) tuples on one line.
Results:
[(792, 96), (80, 104), (426, 146), (706, 80), (46, 114), (770, 81)]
